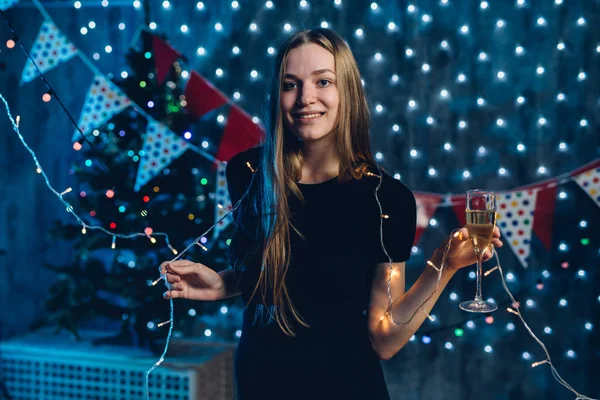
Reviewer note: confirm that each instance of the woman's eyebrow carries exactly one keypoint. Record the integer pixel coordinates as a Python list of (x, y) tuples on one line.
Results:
[(315, 72)]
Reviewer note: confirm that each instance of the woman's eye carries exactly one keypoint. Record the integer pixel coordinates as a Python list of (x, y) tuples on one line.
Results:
[(289, 85), (324, 82)]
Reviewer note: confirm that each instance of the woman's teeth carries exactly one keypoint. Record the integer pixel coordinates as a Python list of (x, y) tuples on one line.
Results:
[(309, 116)]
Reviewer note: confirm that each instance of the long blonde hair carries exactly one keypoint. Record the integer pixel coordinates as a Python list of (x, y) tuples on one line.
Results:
[(282, 159)]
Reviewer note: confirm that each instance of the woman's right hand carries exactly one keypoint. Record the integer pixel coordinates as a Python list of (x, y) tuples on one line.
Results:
[(192, 281)]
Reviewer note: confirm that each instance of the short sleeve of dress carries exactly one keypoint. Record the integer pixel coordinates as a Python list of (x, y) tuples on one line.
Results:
[(239, 174), (399, 228)]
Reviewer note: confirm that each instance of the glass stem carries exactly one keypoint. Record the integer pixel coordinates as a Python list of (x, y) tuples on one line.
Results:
[(478, 296)]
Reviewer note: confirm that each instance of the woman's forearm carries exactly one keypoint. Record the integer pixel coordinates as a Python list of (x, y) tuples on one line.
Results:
[(230, 284), (411, 309)]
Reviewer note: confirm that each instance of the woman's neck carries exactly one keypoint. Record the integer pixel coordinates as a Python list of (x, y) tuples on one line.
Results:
[(320, 162)]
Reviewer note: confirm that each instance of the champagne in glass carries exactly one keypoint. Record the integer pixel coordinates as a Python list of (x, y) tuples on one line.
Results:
[(481, 220)]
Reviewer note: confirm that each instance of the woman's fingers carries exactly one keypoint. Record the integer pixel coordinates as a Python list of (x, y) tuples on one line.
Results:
[(172, 278), (170, 266), (173, 294), (163, 267)]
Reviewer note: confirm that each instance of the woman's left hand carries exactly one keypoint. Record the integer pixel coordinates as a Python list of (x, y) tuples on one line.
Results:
[(462, 254)]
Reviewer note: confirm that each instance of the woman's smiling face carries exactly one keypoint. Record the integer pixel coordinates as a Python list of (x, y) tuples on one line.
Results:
[(310, 99)]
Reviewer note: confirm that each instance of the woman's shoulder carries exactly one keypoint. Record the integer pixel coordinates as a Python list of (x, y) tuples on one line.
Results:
[(251, 155), (389, 184)]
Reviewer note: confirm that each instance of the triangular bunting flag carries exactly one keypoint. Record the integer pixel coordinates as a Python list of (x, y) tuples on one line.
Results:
[(222, 198), (545, 206), (239, 134), (426, 206), (515, 220), (164, 57), (201, 96), (51, 48), (459, 205), (103, 101), (6, 4), (161, 147), (589, 181)]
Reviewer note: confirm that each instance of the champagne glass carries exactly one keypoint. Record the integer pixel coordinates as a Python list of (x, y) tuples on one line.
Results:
[(481, 220)]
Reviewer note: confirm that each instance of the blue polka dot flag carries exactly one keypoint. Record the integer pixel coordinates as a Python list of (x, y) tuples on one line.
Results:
[(161, 147), (589, 181), (222, 198), (103, 101), (50, 49), (515, 220)]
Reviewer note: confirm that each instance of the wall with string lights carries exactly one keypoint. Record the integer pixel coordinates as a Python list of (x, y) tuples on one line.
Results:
[(500, 95)]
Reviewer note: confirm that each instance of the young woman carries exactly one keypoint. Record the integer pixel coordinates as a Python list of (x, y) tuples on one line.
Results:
[(319, 229)]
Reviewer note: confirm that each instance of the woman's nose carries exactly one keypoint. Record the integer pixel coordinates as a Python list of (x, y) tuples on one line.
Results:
[(306, 96)]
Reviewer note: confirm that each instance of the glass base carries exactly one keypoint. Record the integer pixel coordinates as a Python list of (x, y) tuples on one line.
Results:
[(478, 306)]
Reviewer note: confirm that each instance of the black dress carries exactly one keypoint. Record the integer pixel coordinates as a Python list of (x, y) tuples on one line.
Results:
[(329, 281)]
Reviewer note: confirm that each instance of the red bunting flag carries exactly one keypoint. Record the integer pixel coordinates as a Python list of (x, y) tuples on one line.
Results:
[(240, 134), (459, 205), (164, 57), (544, 214), (201, 96), (427, 204)]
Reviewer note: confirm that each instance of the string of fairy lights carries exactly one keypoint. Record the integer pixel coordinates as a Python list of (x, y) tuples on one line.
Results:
[(515, 305), (389, 313)]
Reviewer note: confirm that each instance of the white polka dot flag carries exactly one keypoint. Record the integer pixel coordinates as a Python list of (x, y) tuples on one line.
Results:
[(222, 197), (103, 101), (589, 181), (161, 147), (50, 49), (6, 4), (515, 220)]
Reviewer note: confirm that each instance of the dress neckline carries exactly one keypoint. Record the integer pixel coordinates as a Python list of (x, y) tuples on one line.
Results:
[(335, 178)]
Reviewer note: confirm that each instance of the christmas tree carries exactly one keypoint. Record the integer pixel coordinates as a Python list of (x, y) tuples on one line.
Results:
[(135, 176)]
